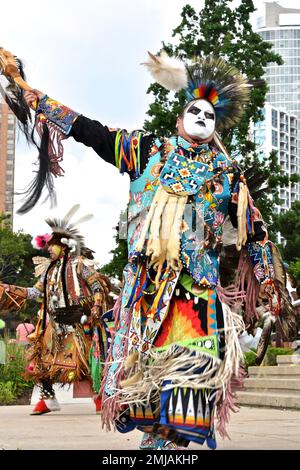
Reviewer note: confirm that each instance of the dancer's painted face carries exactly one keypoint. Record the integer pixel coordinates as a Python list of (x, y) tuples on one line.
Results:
[(199, 120), (55, 251)]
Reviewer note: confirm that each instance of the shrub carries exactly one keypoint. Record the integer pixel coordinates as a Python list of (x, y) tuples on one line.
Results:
[(270, 357), (7, 394), (272, 353), (249, 358), (12, 381)]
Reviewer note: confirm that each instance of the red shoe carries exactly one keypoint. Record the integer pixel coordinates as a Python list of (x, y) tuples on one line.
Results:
[(40, 408), (98, 404), (46, 406)]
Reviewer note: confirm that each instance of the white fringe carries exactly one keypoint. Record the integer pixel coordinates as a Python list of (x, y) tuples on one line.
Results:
[(166, 365), (164, 223)]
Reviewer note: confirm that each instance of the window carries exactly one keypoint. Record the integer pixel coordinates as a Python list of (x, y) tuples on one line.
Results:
[(274, 139), (274, 118)]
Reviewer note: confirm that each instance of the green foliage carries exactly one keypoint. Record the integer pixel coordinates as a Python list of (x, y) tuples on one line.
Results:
[(272, 353), (294, 269), (12, 381), (249, 358), (16, 252), (120, 254), (289, 226), (16, 267), (270, 357), (269, 170), (7, 394)]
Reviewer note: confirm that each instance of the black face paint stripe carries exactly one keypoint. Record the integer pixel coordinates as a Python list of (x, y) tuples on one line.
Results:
[(193, 110), (209, 115)]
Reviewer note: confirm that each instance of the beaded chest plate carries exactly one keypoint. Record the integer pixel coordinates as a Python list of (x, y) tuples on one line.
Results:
[(183, 176)]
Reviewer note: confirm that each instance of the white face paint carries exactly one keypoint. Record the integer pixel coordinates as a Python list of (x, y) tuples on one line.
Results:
[(199, 120)]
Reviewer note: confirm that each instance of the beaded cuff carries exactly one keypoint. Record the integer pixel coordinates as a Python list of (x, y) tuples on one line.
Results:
[(56, 113)]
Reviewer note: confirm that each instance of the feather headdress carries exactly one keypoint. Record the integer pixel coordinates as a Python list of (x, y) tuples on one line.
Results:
[(211, 79), (67, 232)]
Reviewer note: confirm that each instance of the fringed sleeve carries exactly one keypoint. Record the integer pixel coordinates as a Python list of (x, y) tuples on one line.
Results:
[(53, 123), (98, 284), (129, 152)]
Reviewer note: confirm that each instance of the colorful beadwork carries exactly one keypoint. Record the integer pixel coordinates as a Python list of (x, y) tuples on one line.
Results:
[(56, 113)]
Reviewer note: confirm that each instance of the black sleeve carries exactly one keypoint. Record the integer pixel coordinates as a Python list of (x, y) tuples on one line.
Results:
[(93, 134)]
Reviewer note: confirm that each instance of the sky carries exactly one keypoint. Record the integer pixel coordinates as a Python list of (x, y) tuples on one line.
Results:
[(88, 56)]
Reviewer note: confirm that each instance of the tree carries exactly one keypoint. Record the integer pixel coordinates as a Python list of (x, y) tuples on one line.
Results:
[(289, 227), (268, 173), (294, 269), (227, 32), (120, 254), (16, 252)]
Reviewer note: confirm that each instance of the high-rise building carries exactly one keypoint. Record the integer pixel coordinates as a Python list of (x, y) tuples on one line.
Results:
[(277, 133), (281, 27), (7, 159)]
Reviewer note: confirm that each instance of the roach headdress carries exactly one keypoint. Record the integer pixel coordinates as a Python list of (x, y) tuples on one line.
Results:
[(211, 79), (67, 233)]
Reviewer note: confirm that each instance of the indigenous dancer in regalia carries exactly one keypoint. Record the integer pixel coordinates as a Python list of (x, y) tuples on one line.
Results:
[(71, 337), (175, 357)]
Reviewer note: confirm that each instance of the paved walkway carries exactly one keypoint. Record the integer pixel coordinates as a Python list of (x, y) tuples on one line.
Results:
[(77, 427)]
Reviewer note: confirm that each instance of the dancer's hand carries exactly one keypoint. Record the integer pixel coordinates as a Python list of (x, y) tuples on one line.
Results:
[(33, 97)]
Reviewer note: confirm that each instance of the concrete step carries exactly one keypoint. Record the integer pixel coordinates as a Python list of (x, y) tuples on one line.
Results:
[(288, 360), (274, 400), (265, 371), (270, 383)]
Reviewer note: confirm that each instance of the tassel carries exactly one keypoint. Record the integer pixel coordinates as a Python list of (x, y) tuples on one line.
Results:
[(131, 360), (131, 380), (241, 216), (42, 178)]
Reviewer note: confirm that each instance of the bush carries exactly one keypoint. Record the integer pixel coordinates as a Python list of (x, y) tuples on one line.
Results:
[(12, 380), (272, 353), (270, 357), (7, 394), (249, 358)]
